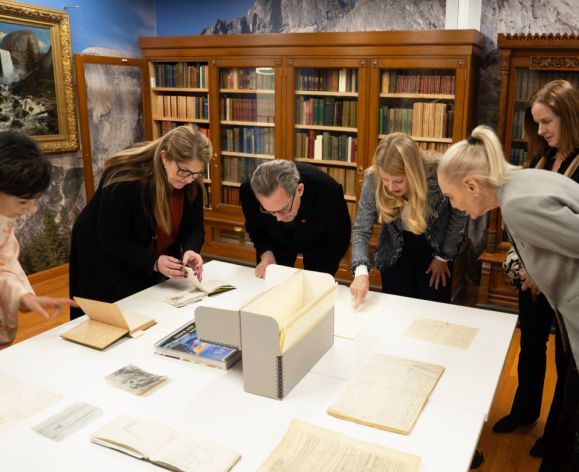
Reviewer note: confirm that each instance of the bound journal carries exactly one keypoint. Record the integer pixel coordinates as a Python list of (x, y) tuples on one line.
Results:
[(106, 324), (198, 291)]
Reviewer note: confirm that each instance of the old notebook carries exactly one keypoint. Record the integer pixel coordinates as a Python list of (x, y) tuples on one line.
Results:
[(198, 291), (106, 324)]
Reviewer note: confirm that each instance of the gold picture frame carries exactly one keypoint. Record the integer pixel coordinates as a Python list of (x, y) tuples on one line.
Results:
[(36, 86)]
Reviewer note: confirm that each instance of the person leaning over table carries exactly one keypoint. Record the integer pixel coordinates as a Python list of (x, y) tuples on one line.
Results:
[(540, 209), (295, 208), (552, 129), (24, 174), (420, 232), (145, 221)]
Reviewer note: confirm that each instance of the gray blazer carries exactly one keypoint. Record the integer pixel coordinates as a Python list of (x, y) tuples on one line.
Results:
[(444, 231), (541, 211)]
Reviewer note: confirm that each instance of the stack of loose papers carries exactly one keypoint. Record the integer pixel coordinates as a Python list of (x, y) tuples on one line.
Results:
[(387, 393), (307, 447)]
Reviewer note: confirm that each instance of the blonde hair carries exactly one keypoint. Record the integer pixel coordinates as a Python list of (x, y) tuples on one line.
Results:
[(143, 163), (398, 155), (480, 157)]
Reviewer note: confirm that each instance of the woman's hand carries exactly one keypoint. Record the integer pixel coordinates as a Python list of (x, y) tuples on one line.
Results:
[(195, 261), (529, 284), (171, 267), (32, 302), (438, 271), (359, 289)]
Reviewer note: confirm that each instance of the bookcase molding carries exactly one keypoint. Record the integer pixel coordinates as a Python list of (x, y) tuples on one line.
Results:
[(528, 61), (326, 97)]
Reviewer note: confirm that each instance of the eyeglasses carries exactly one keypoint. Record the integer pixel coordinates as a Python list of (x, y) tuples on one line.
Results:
[(283, 211), (187, 173)]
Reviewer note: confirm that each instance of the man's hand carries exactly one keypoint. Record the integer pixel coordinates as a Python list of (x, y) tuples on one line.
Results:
[(267, 258)]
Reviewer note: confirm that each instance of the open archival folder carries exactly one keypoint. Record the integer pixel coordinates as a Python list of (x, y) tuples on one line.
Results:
[(198, 291), (387, 393), (164, 446), (309, 447)]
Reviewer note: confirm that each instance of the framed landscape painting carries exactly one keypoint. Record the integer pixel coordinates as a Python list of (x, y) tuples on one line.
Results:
[(36, 92)]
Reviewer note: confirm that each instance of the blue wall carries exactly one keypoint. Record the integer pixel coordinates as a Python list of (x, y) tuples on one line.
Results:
[(113, 24), (185, 18)]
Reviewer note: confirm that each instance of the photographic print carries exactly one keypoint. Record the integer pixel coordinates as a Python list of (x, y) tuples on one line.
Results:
[(135, 380), (36, 95)]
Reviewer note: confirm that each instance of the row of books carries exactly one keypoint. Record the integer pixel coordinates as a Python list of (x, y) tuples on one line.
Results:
[(530, 81), (261, 110), (518, 122), (181, 74), (166, 126), (230, 195), (327, 80), (431, 82), (325, 146), (182, 106), (438, 147), (327, 111), (238, 169), (343, 175), (518, 157), (260, 78), (249, 140), (431, 120)]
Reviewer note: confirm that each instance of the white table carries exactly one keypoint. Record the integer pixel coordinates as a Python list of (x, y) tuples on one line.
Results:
[(210, 402)]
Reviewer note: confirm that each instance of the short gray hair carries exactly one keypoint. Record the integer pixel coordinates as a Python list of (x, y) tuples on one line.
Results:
[(271, 174)]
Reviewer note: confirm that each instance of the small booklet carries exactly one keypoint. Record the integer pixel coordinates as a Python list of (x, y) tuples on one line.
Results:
[(106, 324), (184, 344), (198, 291), (164, 446)]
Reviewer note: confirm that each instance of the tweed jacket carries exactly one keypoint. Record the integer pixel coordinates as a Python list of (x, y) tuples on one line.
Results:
[(444, 233), (541, 210)]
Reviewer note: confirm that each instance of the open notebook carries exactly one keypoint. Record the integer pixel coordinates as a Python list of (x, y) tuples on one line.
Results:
[(106, 324), (198, 291)]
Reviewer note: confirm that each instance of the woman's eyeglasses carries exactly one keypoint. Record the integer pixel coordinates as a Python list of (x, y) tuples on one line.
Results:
[(187, 173)]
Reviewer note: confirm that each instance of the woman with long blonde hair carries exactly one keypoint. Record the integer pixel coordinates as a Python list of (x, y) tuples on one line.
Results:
[(420, 233), (145, 221)]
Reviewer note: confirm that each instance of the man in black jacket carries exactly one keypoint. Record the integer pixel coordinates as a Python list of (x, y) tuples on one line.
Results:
[(293, 209)]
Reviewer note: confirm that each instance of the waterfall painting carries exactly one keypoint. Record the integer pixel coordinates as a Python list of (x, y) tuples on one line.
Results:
[(36, 95)]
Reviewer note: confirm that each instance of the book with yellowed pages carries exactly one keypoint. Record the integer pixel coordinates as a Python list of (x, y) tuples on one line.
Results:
[(309, 447), (165, 447), (106, 324), (387, 393), (198, 291)]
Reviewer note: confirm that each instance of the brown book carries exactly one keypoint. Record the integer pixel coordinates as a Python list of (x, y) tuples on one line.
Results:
[(106, 324)]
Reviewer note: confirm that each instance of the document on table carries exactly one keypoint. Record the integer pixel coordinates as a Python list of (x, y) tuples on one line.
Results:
[(19, 400), (387, 393), (309, 447), (441, 332), (349, 322), (68, 421)]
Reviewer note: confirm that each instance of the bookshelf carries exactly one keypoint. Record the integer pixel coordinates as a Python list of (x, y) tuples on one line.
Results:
[(316, 98), (528, 61)]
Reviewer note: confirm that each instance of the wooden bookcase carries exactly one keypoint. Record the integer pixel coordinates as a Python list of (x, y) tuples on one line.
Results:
[(528, 61), (320, 98)]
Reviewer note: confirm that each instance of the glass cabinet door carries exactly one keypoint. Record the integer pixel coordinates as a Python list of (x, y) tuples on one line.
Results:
[(180, 96), (326, 118), (247, 124)]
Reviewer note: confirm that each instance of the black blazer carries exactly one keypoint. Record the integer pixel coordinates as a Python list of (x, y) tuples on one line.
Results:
[(320, 231), (113, 247)]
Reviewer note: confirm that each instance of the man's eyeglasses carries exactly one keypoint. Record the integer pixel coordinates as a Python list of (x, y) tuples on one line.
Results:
[(283, 211), (187, 173)]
